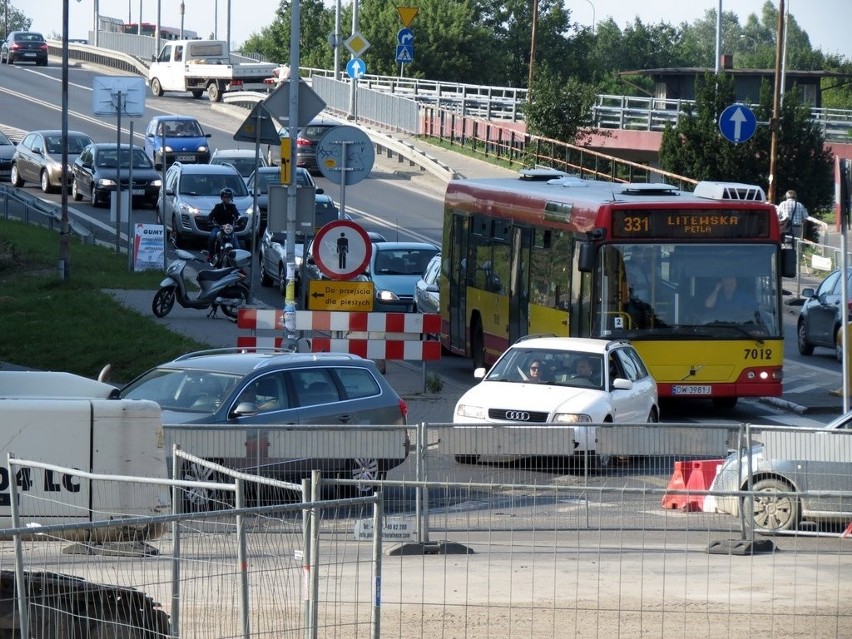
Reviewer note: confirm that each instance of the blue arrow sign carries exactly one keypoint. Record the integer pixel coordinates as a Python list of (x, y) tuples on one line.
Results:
[(405, 53), (355, 68), (737, 123), (405, 36)]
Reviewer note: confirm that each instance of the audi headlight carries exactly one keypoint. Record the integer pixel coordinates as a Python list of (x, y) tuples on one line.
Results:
[(157, 183), (202, 149), (386, 296), (571, 418), (474, 412), (168, 148), (105, 182)]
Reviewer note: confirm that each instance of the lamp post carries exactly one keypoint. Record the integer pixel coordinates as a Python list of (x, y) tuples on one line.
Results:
[(182, 11), (776, 104), (593, 15)]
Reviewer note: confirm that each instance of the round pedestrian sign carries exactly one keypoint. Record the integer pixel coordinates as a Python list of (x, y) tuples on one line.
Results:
[(342, 250)]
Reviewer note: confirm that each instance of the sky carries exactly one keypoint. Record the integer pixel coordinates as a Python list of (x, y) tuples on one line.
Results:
[(826, 21)]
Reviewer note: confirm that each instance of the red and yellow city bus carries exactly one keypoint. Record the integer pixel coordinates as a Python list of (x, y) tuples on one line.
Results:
[(693, 279)]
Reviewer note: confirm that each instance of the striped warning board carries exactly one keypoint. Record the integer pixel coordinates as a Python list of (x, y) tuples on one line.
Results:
[(393, 336), (373, 322), (379, 348), (273, 319), (260, 319)]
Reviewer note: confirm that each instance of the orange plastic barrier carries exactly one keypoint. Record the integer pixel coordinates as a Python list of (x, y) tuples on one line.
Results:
[(690, 475)]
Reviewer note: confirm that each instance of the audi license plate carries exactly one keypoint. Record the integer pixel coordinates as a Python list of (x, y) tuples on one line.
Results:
[(138, 191), (691, 390), (29, 54), (185, 158)]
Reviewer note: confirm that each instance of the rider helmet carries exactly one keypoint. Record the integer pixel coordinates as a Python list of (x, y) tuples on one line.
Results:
[(226, 194)]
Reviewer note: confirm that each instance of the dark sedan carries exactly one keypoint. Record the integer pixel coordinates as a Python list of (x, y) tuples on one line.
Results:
[(100, 167), (38, 158), (270, 176), (7, 150), (24, 46), (820, 318)]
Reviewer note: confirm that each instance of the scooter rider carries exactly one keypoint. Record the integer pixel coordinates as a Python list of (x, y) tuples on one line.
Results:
[(225, 212)]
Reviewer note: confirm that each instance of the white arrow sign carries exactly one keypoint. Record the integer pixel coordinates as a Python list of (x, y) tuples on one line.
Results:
[(738, 118)]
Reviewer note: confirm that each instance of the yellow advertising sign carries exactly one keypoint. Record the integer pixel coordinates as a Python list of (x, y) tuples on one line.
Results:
[(337, 295), (285, 161), (407, 15)]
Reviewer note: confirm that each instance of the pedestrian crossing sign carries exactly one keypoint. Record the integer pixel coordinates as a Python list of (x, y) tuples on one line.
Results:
[(405, 53)]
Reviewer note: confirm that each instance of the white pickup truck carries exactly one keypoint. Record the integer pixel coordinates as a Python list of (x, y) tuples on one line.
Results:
[(204, 65)]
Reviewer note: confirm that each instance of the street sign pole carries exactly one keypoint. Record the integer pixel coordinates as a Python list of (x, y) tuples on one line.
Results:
[(290, 337), (341, 212), (353, 83)]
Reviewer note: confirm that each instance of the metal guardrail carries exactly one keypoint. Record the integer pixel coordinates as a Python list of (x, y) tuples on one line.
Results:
[(653, 114), (16, 204)]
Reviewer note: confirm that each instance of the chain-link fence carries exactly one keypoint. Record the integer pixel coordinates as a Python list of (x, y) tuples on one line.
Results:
[(663, 530)]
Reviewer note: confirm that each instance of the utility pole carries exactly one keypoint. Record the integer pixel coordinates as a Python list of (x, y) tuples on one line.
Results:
[(533, 38), (775, 123)]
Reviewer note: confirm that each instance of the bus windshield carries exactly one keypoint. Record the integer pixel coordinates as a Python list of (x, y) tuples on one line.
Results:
[(664, 290)]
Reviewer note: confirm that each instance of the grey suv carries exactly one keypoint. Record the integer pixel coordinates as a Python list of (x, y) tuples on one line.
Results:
[(190, 193), (272, 388)]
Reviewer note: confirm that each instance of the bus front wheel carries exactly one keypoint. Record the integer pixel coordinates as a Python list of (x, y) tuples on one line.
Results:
[(477, 345)]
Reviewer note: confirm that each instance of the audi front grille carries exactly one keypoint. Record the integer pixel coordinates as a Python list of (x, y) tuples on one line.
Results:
[(521, 416)]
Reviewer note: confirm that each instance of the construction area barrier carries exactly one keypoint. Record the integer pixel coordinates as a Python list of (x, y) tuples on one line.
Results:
[(389, 336), (691, 476)]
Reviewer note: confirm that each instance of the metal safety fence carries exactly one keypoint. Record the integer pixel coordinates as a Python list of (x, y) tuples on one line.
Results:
[(663, 530)]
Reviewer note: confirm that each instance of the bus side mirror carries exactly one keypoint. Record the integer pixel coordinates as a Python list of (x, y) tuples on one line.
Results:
[(788, 262), (586, 261)]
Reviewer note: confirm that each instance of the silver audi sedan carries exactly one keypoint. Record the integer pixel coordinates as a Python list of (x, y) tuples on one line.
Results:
[(38, 158)]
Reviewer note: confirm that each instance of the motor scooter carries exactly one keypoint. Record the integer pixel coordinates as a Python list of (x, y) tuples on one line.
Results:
[(220, 287), (224, 243)]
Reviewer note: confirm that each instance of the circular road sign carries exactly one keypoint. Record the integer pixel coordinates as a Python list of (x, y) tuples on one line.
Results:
[(342, 249), (359, 156), (737, 123)]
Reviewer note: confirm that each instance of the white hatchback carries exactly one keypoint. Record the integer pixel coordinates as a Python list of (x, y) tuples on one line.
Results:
[(563, 380)]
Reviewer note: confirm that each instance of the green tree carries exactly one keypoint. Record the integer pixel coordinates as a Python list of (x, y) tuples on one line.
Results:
[(14, 20), (559, 108), (448, 44), (315, 25), (695, 147)]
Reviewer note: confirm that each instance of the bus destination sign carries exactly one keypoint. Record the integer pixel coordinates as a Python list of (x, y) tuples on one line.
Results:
[(689, 224)]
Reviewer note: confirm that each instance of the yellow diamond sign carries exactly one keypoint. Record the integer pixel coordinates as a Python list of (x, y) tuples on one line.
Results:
[(357, 44)]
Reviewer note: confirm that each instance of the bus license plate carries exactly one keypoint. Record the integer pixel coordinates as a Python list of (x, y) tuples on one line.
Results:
[(185, 158), (691, 390)]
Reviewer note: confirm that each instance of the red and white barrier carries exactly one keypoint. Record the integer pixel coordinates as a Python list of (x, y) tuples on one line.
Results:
[(394, 336)]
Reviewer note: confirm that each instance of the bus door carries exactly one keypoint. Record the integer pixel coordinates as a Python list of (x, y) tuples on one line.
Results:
[(458, 278), (519, 284)]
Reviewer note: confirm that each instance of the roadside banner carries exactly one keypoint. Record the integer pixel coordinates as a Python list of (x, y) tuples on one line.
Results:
[(148, 247)]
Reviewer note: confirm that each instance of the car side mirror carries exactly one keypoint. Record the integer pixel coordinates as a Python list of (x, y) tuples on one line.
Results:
[(619, 383), (244, 409), (432, 288), (808, 293), (319, 191)]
